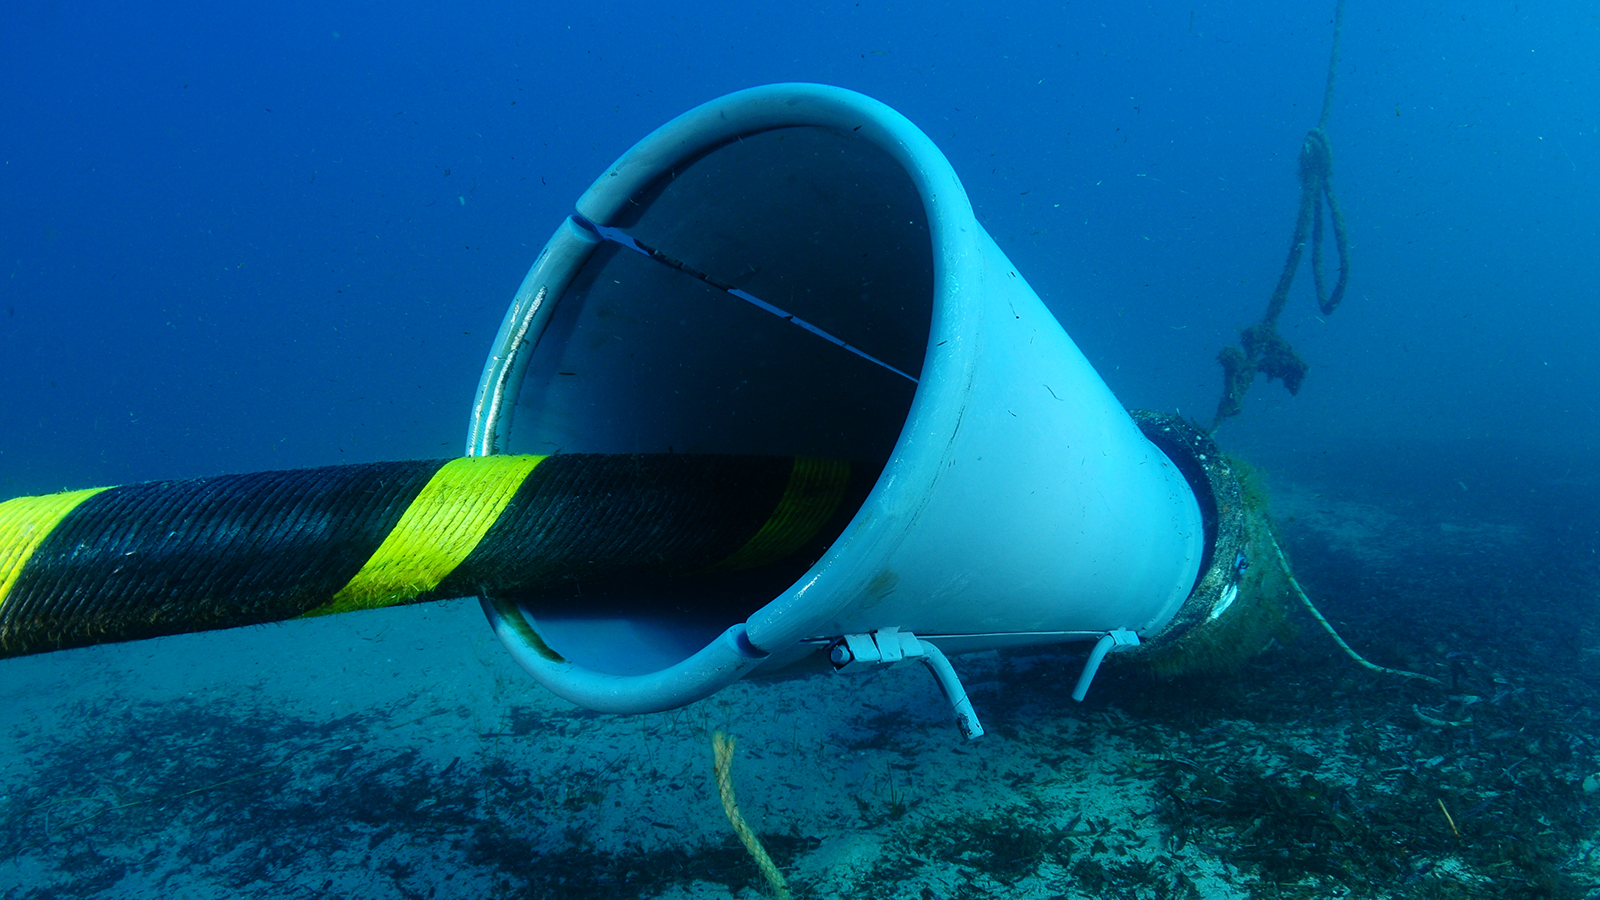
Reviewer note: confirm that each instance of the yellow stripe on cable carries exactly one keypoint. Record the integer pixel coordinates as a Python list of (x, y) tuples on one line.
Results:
[(435, 533), (24, 524), (816, 486)]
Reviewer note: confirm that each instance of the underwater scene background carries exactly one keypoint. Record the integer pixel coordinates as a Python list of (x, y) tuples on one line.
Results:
[(272, 236)]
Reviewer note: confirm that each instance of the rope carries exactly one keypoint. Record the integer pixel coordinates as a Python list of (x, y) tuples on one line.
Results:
[(1263, 349), (722, 750), (1311, 608)]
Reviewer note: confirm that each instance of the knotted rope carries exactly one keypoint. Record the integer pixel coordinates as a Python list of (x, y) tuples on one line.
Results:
[(1264, 349)]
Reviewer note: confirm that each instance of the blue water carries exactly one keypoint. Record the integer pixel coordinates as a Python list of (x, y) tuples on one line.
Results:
[(283, 235), (258, 236)]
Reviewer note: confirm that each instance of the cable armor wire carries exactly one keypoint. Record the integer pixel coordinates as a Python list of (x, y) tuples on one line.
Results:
[(170, 557)]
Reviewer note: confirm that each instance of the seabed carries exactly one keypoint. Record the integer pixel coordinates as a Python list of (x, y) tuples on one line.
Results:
[(401, 754)]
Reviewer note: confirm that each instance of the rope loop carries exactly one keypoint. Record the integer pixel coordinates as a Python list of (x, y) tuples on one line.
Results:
[(1264, 349), (1316, 161)]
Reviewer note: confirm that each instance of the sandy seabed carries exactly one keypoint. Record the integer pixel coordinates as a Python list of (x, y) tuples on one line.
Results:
[(402, 754)]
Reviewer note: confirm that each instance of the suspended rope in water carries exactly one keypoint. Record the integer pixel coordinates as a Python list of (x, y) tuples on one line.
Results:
[(1264, 350)]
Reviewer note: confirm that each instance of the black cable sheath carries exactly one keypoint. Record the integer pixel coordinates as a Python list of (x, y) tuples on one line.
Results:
[(169, 557)]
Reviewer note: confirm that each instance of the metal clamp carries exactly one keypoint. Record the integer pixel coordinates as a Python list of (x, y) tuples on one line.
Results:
[(891, 646)]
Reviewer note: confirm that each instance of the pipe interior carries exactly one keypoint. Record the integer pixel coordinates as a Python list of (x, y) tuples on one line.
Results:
[(645, 357)]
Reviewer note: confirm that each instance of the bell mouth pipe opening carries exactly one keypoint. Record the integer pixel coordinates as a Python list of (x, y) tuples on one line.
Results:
[(795, 271), (763, 288)]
